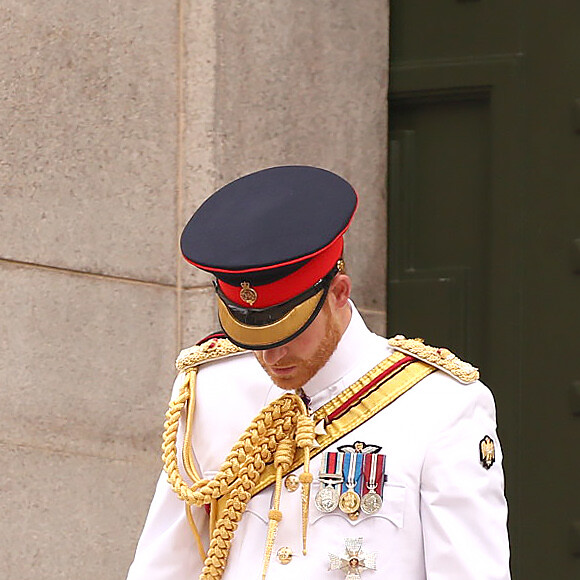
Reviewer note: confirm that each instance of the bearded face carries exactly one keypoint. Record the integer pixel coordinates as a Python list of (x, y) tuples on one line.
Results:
[(292, 365)]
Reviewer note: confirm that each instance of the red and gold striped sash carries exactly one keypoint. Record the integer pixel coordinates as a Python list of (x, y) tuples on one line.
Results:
[(366, 397)]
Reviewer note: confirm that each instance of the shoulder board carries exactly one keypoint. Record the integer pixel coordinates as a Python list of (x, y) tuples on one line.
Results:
[(441, 358), (209, 350)]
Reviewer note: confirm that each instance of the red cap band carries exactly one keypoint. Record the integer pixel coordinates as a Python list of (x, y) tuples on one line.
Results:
[(293, 285)]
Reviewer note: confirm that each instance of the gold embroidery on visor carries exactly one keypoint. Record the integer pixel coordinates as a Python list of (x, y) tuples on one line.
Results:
[(272, 333)]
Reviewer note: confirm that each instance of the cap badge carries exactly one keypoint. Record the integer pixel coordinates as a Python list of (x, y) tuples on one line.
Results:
[(487, 452), (354, 561), (248, 294)]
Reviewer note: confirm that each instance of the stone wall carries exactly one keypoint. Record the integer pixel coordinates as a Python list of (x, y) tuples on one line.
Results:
[(118, 120)]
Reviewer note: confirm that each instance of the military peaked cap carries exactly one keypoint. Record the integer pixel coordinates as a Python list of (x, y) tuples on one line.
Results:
[(273, 240)]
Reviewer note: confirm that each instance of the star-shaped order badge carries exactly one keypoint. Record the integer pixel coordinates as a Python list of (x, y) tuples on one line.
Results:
[(354, 561)]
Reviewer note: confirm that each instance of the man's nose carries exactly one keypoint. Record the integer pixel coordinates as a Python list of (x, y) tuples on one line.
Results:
[(272, 356)]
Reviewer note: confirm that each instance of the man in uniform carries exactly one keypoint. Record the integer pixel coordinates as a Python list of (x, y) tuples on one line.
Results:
[(298, 444)]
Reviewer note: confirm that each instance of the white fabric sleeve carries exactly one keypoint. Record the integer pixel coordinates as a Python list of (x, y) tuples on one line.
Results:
[(167, 549), (463, 508)]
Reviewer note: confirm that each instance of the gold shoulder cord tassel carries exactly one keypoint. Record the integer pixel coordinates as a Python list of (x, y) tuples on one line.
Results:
[(305, 440), (282, 459)]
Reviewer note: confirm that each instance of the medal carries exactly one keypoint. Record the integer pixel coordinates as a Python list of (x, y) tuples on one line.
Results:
[(351, 480), (327, 497), (349, 502), (354, 561), (372, 502)]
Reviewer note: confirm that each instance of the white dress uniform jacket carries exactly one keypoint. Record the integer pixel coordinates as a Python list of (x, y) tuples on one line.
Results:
[(443, 516)]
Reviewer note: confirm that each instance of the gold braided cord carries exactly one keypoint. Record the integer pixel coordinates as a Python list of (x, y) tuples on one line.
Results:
[(187, 454), (196, 534), (188, 461), (240, 472)]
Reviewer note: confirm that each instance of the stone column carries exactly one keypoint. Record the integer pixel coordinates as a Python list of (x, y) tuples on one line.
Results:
[(118, 120)]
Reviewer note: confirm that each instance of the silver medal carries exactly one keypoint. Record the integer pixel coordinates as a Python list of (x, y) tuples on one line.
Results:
[(326, 499), (371, 502)]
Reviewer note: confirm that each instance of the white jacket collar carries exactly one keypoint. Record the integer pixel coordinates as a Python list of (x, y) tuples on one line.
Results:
[(357, 351)]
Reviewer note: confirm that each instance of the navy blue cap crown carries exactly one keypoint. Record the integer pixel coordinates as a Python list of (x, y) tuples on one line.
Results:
[(271, 218)]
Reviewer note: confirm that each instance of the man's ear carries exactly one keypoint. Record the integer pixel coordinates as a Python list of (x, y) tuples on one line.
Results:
[(339, 290)]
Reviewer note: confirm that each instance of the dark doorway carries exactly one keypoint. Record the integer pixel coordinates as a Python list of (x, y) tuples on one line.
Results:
[(484, 235)]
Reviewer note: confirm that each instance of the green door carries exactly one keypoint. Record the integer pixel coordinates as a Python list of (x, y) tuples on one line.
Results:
[(484, 235)]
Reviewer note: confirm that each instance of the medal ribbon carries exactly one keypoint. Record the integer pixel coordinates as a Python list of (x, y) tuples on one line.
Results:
[(330, 463), (374, 473), (351, 472)]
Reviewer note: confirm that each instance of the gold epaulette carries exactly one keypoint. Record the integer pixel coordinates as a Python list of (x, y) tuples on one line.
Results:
[(441, 358), (207, 351)]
